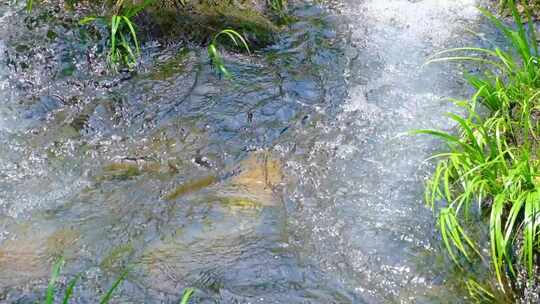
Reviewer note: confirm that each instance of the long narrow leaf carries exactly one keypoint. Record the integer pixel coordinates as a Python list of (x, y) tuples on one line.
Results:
[(52, 282), (107, 297)]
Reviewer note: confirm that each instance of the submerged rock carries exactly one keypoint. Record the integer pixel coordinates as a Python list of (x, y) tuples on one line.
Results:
[(21, 260), (125, 170), (251, 185), (29, 257), (259, 175)]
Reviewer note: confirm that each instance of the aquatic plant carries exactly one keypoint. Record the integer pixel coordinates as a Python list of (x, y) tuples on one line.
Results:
[(55, 273), (215, 55), (493, 161), (123, 42)]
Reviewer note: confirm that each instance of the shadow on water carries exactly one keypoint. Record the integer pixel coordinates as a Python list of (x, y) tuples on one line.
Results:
[(286, 185)]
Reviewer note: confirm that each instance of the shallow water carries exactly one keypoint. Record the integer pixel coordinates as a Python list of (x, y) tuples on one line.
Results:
[(294, 183)]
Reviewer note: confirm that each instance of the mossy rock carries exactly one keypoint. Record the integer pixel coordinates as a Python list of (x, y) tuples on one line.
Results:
[(131, 169), (243, 205), (200, 21)]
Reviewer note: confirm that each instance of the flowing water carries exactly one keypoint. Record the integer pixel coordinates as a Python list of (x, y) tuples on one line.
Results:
[(293, 183)]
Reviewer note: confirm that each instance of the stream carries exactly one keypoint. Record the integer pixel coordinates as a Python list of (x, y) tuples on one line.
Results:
[(295, 182)]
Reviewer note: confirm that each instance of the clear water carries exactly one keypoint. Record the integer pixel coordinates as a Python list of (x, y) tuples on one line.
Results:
[(294, 183)]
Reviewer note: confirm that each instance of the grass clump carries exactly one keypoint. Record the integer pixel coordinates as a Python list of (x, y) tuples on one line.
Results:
[(491, 172), (124, 45)]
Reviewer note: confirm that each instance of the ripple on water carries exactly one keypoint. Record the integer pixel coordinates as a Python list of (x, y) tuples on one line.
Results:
[(357, 199)]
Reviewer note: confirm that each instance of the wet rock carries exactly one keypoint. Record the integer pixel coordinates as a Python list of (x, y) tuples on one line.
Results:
[(205, 89), (285, 114), (173, 66), (250, 185), (306, 90), (22, 260), (233, 124), (259, 175), (62, 242)]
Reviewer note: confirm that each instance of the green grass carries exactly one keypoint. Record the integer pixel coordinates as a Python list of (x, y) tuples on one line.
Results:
[(105, 299), (491, 172), (123, 42)]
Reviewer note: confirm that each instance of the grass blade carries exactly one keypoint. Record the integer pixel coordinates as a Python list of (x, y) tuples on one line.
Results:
[(107, 297), (49, 299), (187, 295), (69, 290)]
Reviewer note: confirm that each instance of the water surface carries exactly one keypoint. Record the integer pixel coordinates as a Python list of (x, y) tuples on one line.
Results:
[(293, 183)]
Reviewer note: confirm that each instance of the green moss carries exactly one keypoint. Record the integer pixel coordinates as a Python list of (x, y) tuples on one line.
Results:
[(199, 22), (171, 67)]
